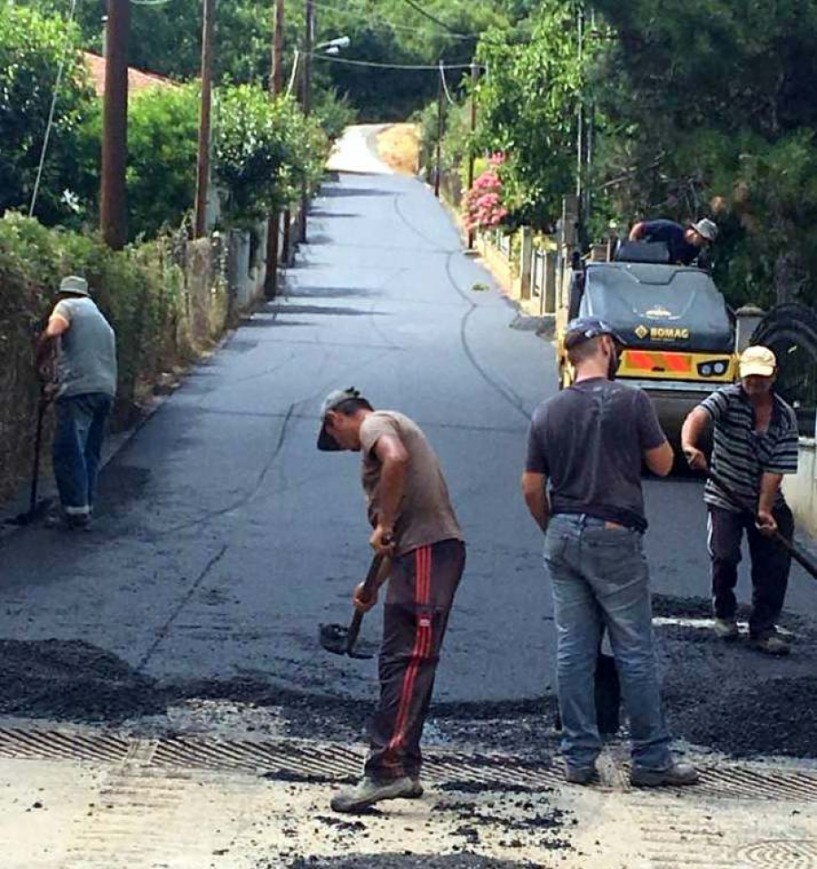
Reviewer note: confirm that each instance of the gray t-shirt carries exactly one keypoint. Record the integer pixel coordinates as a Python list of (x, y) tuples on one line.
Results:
[(425, 515), (589, 441), (87, 350)]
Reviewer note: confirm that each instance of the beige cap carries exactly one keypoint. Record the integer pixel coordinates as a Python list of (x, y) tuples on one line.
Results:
[(757, 360)]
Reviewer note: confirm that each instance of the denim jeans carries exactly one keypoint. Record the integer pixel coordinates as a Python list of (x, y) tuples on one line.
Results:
[(600, 580), (80, 429)]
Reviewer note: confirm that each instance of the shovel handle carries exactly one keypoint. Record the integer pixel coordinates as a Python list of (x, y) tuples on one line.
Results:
[(369, 588), (795, 551)]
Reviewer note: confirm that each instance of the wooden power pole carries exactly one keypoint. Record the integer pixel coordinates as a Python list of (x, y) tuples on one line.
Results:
[(276, 88), (473, 127), (440, 130), (112, 197), (205, 114), (306, 100)]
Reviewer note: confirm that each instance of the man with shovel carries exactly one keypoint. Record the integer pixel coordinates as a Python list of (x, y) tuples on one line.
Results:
[(84, 345), (416, 528), (756, 443), (587, 443)]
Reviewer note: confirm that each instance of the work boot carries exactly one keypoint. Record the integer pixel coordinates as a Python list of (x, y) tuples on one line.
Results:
[(367, 792), (673, 776), (770, 643), (726, 629), (581, 775)]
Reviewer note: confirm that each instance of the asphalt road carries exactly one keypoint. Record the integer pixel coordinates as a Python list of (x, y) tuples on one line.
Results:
[(224, 538)]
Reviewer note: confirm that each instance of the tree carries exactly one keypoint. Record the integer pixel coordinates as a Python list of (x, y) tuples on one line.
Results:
[(529, 99), (263, 151), (711, 110), (32, 47)]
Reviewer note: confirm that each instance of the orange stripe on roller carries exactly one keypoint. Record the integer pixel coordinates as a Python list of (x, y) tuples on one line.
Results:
[(639, 359), (676, 362)]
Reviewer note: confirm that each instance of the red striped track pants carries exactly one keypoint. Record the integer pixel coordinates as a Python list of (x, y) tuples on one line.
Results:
[(421, 590)]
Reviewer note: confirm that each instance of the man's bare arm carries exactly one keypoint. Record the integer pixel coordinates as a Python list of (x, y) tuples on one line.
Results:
[(659, 459), (57, 325), (394, 464), (534, 490), (692, 431)]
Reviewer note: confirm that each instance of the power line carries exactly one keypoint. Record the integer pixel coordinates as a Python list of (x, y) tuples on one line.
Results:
[(380, 19), (60, 69), (445, 85), (372, 63)]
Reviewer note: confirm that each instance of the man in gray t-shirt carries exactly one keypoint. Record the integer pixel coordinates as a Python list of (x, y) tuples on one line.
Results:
[(84, 345), (588, 443), (416, 528)]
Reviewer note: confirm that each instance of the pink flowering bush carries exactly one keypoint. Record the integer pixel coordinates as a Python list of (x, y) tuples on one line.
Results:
[(482, 204)]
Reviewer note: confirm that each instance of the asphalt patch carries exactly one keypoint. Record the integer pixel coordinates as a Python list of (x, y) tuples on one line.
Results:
[(773, 717), (71, 680)]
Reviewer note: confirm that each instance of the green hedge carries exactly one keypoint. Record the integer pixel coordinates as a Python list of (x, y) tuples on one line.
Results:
[(163, 314)]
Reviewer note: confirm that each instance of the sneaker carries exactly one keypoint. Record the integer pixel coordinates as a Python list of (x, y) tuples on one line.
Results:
[(367, 792), (69, 521), (726, 629), (770, 644), (676, 775), (417, 790), (581, 775)]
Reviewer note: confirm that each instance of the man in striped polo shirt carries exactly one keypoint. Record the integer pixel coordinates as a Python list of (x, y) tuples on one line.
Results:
[(755, 435), (415, 526)]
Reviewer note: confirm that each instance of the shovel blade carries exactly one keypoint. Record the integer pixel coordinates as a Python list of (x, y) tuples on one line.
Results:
[(335, 639)]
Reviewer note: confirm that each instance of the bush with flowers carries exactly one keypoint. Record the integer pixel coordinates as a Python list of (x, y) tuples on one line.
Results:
[(482, 205)]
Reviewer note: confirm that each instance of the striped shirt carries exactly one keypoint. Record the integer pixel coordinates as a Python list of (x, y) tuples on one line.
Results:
[(741, 454)]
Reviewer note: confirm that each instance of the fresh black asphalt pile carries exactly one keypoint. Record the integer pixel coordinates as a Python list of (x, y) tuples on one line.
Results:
[(725, 697)]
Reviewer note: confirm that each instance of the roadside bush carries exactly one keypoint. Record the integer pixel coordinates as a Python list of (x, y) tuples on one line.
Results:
[(263, 151), (163, 314)]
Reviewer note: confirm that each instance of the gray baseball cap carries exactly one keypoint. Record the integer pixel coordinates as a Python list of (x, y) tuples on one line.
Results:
[(335, 398), (74, 284)]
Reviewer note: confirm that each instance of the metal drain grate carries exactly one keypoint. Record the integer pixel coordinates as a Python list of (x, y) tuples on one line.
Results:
[(758, 784), (301, 761), (58, 745), (292, 760)]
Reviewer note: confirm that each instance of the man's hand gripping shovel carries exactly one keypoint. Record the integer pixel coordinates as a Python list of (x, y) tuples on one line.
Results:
[(341, 639)]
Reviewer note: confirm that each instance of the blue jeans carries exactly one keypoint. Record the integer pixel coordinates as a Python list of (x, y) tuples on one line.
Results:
[(78, 436), (600, 580)]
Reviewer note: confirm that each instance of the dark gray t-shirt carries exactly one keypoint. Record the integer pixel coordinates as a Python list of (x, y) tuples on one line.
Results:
[(87, 350), (589, 441)]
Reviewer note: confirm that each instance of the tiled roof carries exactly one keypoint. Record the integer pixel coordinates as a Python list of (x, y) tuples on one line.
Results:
[(137, 80)]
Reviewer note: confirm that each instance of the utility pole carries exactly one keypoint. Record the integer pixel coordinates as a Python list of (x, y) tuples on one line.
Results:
[(112, 197), (580, 138), (473, 127), (276, 88), (205, 112), (440, 127), (306, 101)]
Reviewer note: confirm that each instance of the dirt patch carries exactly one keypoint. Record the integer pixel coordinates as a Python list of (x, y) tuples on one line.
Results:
[(398, 146)]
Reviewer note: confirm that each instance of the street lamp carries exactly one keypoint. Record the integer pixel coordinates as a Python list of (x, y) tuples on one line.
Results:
[(333, 46)]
